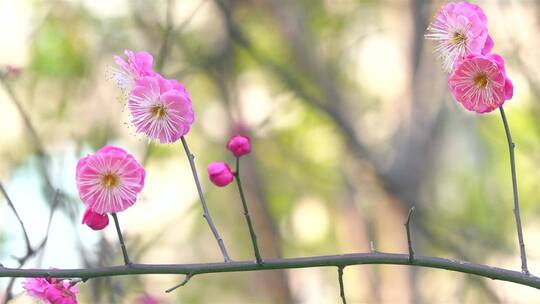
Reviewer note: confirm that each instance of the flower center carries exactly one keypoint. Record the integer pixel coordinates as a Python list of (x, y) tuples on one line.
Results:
[(158, 111), (458, 38), (481, 80), (110, 180)]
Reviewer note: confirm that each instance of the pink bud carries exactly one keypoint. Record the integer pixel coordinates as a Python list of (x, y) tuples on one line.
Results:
[(220, 174), (95, 220), (239, 145)]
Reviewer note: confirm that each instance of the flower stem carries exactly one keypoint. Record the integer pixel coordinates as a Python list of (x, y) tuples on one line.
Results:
[(121, 239), (206, 213), (517, 215), (246, 213)]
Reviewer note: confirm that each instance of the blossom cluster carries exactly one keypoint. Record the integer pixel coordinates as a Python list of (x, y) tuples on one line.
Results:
[(110, 180), (52, 290), (478, 77), (160, 108)]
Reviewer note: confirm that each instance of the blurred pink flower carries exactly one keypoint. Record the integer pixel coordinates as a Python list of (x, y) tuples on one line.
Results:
[(61, 293), (13, 71), (138, 65), (460, 29), (109, 180), (95, 221), (480, 84), (239, 145), (147, 299), (220, 174), (36, 287), (51, 290), (161, 108)]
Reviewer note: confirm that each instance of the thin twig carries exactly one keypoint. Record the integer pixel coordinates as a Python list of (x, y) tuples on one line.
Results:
[(341, 287), (517, 215), (184, 282), (206, 213), (246, 213), (409, 240), (121, 239), (12, 206)]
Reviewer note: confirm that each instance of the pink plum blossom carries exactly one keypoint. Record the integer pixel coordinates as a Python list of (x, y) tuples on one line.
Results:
[(239, 145), (109, 180), (51, 290), (220, 174), (459, 29), (161, 108), (480, 84), (137, 65), (95, 220), (36, 287), (62, 292)]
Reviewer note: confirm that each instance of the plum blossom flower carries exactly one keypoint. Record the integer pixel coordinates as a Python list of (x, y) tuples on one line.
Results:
[(239, 145), (161, 108), (480, 84), (94, 220), (220, 174), (36, 287), (109, 180), (137, 65), (62, 292), (51, 290), (459, 29)]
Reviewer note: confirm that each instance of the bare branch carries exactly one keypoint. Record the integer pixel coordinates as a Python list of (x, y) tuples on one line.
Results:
[(379, 258)]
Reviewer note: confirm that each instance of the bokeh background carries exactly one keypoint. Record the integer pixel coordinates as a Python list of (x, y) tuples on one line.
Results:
[(351, 122)]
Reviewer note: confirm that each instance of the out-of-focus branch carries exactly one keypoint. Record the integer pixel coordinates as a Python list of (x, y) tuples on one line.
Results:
[(165, 49), (36, 140), (34, 137), (30, 251), (12, 206)]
